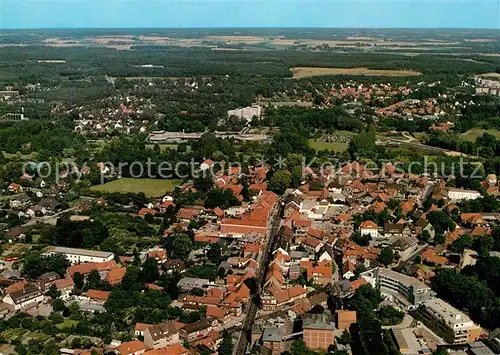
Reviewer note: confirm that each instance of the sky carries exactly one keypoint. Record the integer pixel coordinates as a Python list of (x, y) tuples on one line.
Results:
[(19, 14)]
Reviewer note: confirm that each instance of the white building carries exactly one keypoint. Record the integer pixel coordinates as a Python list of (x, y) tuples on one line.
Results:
[(394, 283), (78, 256), (455, 194), (246, 113), (453, 325), (25, 298), (369, 227)]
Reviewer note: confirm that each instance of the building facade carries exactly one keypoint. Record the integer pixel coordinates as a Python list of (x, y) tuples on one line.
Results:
[(78, 256), (448, 322)]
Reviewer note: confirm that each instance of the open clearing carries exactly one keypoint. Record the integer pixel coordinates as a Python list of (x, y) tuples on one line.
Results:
[(335, 147), (473, 133), (150, 187), (305, 72)]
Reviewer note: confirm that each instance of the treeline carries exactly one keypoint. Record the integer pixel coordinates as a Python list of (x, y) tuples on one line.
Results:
[(48, 138), (22, 63), (330, 119)]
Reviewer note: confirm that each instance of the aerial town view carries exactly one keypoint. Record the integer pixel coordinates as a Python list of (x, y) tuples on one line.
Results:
[(249, 177)]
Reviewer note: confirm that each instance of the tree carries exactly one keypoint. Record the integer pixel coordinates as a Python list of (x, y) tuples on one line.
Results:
[(361, 239), (149, 218), (280, 181), (345, 338), (179, 246), (78, 280), (221, 198), (439, 238), (226, 346), (35, 265), (390, 316), (386, 256), (149, 272), (424, 236), (93, 280), (299, 348), (441, 222), (56, 318), (58, 305), (461, 243), (53, 293)]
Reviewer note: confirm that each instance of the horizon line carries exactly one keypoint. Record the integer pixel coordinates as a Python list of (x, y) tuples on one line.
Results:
[(248, 28)]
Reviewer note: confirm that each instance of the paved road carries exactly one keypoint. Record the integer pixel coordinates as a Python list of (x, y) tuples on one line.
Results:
[(251, 311)]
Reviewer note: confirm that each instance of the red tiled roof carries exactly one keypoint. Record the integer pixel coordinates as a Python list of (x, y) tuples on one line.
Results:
[(116, 275), (144, 211), (98, 295), (63, 283), (88, 267), (358, 283), (368, 225), (130, 347), (18, 286), (140, 327)]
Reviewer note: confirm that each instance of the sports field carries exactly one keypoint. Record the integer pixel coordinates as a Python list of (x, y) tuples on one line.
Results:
[(150, 187), (305, 72), (473, 133)]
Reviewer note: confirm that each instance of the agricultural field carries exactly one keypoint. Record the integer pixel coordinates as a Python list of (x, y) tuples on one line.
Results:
[(150, 187), (473, 133), (335, 147), (305, 72)]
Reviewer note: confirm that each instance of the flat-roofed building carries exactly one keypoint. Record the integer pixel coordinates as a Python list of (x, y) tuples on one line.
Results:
[(78, 256), (454, 326), (409, 287)]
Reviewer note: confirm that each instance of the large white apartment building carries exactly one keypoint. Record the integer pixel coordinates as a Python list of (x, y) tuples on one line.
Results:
[(78, 256), (246, 113), (455, 194), (395, 283), (451, 324)]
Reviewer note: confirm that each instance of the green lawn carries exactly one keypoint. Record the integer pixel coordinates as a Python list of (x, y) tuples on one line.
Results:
[(336, 147), (473, 133), (66, 324), (163, 146), (150, 187)]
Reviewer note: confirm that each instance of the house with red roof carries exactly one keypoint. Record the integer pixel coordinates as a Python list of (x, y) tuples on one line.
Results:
[(144, 211), (370, 228), (116, 275), (235, 228), (98, 296), (319, 272)]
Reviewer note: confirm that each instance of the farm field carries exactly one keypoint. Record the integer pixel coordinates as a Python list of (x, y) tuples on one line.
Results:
[(473, 133), (305, 72), (150, 187), (336, 147)]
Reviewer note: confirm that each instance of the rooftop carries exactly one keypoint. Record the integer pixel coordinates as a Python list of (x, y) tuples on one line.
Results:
[(84, 252), (447, 312), (404, 279)]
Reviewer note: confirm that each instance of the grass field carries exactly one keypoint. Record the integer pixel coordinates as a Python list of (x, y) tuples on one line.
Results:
[(336, 147), (163, 146), (473, 133), (305, 72), (66, 324), (150, 187)]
